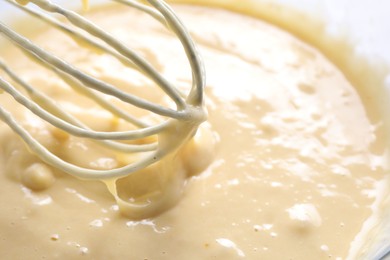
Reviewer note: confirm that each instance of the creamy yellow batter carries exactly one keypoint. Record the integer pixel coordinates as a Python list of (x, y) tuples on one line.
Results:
[(298, 162)]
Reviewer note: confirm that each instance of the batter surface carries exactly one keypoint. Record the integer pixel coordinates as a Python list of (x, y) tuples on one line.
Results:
[(297, 166)]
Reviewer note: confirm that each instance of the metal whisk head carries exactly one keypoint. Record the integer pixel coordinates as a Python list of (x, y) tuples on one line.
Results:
[(176, 125)]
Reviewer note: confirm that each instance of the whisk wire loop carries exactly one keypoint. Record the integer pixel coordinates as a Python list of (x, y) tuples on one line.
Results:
[(189, 111)]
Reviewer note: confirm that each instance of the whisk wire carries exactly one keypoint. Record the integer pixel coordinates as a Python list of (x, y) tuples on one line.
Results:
[(88, 81), (187, 108), (92, 29)]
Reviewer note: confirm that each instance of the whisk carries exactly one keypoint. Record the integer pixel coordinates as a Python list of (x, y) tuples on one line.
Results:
[(177, 125)]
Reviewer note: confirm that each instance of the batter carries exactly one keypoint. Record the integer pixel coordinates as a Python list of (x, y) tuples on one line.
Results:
[(296, 162)]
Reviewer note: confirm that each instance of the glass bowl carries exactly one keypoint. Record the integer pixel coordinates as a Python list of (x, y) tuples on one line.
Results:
[(366, 25)]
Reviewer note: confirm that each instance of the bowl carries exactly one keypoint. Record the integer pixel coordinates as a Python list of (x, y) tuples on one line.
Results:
[(365, 26)]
